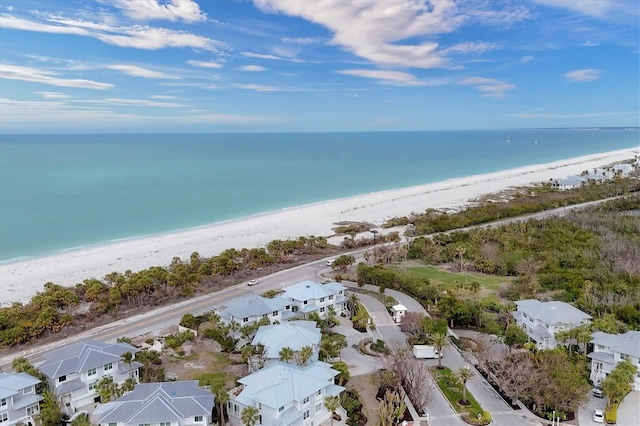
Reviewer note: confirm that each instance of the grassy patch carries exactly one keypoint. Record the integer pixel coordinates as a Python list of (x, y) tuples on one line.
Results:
[(452, 390), (447, 279), (214, 373)]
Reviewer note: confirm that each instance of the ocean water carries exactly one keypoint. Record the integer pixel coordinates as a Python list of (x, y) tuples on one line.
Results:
[(61, 192)]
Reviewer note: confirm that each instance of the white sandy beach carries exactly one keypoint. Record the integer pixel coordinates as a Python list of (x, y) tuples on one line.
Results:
[(22, 280)]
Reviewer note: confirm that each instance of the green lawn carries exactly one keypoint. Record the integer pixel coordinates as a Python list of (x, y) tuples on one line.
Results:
[(438, 276), (452, 390)]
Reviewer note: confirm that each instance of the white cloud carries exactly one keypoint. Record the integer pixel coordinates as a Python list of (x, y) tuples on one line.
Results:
[(164, 97), (136, 71), (540, 114), (14, 72), (53, 95), (594, 8), (137, 36), (589, 43), (398, 78), (252, 68), (303, 40), (491, 88), (172, 10), (470, 47), (260, 56), (372, 29), (141, 103), (582, 76), (204, 64), (526, 59), (256, 87)]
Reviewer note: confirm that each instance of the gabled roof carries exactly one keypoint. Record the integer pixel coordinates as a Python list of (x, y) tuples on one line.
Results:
[(627, 343), (13, 383), (552, 313), (250, 305), (157, 402), (280, 384), (81, 356), (308, 290), (293, 334)]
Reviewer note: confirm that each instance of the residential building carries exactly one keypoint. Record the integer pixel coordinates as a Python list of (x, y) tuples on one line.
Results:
[(610, 349), (286, 395), (542, 320), (251, 308), (292, 334), (19, 402), (165, 404), (308, 296), (74, 371)]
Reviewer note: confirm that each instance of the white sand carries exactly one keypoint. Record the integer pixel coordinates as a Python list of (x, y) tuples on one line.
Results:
[(21, 280)]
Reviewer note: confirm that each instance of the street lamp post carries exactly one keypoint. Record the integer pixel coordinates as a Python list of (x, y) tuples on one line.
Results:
[(374, 232)]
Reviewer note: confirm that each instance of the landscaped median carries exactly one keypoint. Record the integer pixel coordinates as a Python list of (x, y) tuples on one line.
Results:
[(453, 386)]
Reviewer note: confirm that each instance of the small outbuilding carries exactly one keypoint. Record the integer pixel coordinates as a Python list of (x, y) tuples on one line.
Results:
[(397, 312)]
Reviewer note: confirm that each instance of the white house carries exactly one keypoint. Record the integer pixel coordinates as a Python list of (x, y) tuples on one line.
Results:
[(19, 401), (398, 311), (308, 296), (74, 371), (292, 334), (165, 404), (251, 308), (542, 320), (286, 395), (610, 349)]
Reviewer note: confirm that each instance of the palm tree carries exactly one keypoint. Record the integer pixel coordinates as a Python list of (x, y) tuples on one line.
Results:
[(127, 358), (352, 301), (303, 356), (439, 341), (250, 416), (286, 354), (463, 375), (332, 403), (223, 398), (233, 327)]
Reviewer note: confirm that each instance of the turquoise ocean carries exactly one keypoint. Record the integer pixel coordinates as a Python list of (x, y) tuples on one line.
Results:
[(64, 192)]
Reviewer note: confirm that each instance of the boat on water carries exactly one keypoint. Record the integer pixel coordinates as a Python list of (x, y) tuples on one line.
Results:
[(508, 140)]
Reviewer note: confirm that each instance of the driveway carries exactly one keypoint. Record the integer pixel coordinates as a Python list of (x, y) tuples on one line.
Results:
[(628, 412)]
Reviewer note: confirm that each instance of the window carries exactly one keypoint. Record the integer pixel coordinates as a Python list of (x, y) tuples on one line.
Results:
[(260, 419), (598, 365), (62, 379), (288, 307), (236, 408), (28, 390), (108, 366), (113, 424), (306, 400), (318, 408), (34, 409), (3, 402), (281, 409), (624, 356), (4, 417), (196, 419), (305, 415), (340, 292), (92, 385), (91, 372), (319, 392), (321, 299), (259, 405), (275, 313), (304, 303), (321, 308), (245, 319), (331, 297), (165, 423)]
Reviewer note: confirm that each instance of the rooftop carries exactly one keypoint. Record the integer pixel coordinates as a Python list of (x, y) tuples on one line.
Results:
[(552, 313)]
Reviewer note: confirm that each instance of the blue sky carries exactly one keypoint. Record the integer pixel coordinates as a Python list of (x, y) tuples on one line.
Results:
[(321, 65)]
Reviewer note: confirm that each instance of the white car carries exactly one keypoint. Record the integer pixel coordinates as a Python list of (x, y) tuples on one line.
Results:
[(253, 282), (598, 416), (330, 262)]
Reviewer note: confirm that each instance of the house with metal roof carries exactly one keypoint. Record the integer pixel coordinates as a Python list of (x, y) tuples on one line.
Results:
[(251, 308), (610, 349), (308, 296), (286, 395), (542, 320), (19, 401), (73, 371), (167, 404), (291, 334)]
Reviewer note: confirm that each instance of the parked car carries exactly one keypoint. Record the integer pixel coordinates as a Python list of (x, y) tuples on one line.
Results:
[(597, 392), (330, 262), (598, 416), (253, 282)]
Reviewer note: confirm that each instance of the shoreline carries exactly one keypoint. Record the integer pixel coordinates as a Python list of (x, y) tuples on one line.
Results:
[(22, 279)]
